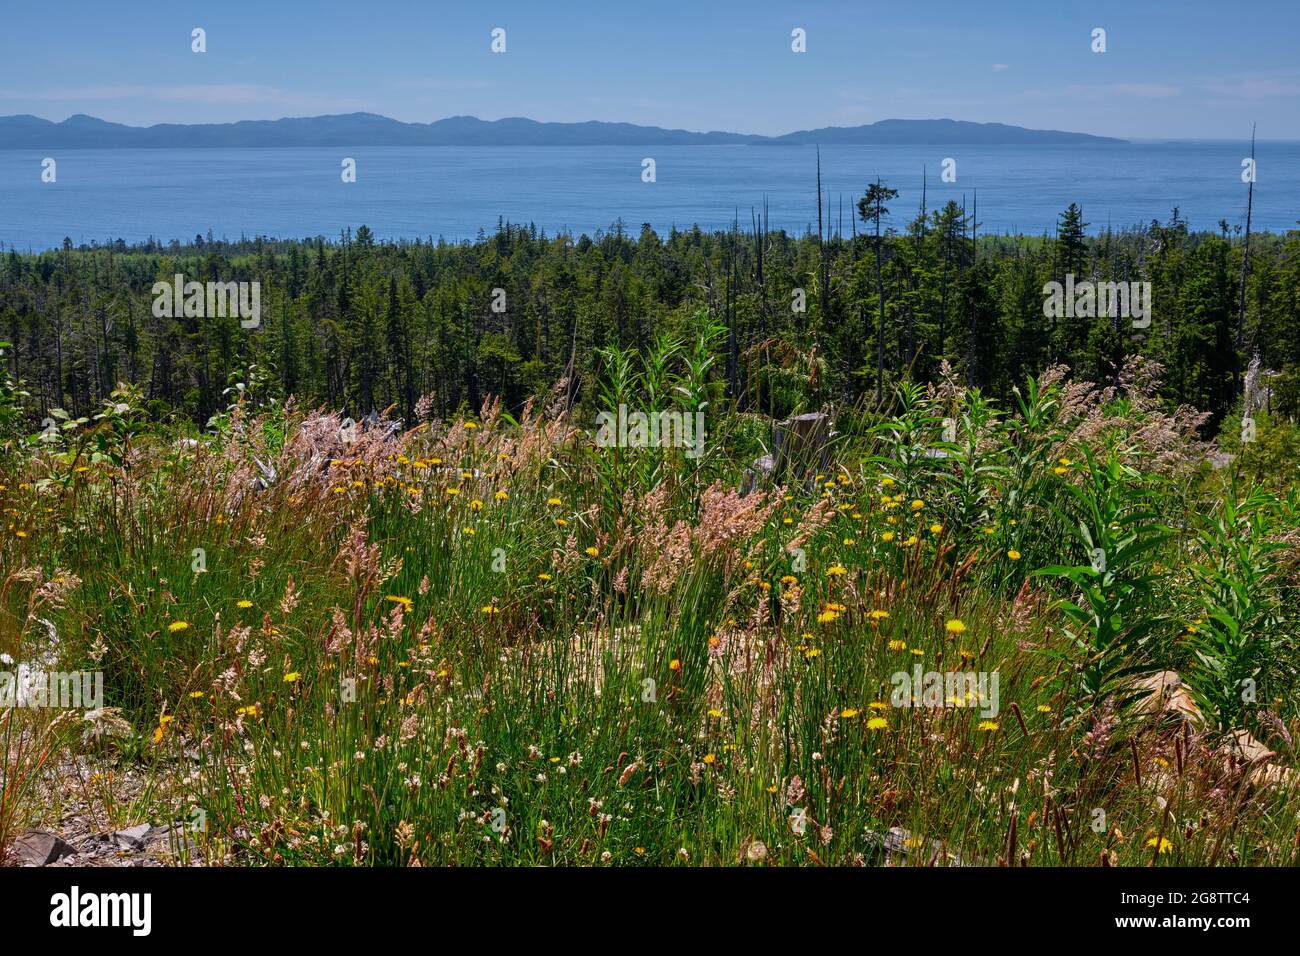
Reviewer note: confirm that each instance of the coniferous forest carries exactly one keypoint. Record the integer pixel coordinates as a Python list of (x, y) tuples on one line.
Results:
[(354, 324)]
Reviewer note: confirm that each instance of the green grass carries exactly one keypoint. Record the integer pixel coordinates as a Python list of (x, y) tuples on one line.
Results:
[(374, 670)]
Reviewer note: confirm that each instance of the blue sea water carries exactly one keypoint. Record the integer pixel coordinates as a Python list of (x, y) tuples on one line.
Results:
[(454, 192)]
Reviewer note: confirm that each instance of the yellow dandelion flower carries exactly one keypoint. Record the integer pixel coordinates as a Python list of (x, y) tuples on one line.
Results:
[(1160, 845), (836, 571), (710, 758), (955, 626), (593, 552), (898, 645), (988, 725), (1013, 554), (849, 713), (177, 626), (292, 677), (877, 723)]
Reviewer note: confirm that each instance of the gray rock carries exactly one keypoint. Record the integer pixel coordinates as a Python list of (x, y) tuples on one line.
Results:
[(41, 848), (134, 837)]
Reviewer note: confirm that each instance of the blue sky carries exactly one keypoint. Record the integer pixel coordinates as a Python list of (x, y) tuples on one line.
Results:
[(1172, 68)]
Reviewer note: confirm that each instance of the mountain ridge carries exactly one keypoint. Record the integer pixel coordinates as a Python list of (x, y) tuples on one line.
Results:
[(81, 131)]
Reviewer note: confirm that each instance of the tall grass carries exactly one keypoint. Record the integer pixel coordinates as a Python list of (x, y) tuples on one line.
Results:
[(488, 641)]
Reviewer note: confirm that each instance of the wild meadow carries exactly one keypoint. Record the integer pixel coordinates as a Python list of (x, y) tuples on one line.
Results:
[(486, 639)]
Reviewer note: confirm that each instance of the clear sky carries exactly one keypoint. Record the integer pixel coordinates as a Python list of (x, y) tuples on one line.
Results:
[(1172, 68)]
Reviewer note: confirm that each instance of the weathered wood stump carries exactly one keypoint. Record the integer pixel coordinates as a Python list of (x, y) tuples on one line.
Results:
[(800, 450)]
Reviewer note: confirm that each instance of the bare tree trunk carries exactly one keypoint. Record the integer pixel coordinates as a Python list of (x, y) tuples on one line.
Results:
[(1245, 256)]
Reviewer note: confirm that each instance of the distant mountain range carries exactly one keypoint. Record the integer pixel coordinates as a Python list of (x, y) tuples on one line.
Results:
[(370, 129)]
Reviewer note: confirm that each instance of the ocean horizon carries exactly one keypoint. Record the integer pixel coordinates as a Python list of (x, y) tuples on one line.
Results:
[(457, 192)]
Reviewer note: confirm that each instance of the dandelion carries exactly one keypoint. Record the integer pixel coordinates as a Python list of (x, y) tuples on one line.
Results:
[(1160, 845), (176, 627), (489, 609), (452, 492), (789, 579), (715, 713), (827, 616), (543, 576), (674, 665), (553, 502), (593, 552), (887, 537), (836, 571), (1013, 554), (955, 626), (917, 504), (936, 528), (812, 652), (405, 602), (988, 725), (849, 713), (196, 694), (1044, 709), (501, 496), (292, 677), (476, 505), (898, 645), (710, 758), (244, 604), (877, 723), (878, 614)]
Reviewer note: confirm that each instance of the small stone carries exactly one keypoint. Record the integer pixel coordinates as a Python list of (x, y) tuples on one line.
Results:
[(133, 838), (41, 848)]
